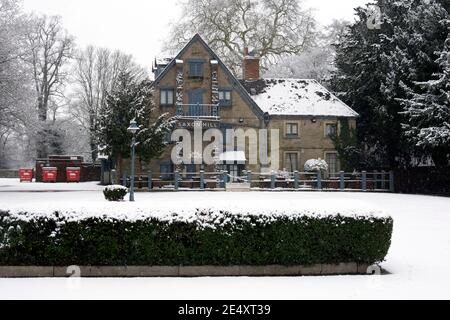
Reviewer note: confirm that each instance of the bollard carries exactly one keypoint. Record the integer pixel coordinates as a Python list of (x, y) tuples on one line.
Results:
[(224, 179), (364, 181), (383, 180), (113, 176), (124, 180), (375, 179), (391, 181), (296, 180), (249, 178), (273, 180), (177, 180), (150, 181), (319, 180), (202, 180), (342, 180)]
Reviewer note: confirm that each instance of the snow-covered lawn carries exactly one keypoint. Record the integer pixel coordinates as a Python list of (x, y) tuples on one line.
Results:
[(10, 185), (83, 204), (418, 262)]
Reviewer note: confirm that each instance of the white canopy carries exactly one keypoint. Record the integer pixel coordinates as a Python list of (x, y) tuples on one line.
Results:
[(233, 156)]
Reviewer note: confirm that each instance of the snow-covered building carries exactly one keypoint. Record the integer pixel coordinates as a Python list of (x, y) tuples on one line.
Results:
[(197, 87)]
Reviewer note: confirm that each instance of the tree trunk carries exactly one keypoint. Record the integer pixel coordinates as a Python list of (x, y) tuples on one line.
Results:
[(92, 132), (119, 165), (93, 146), (140, 165), (41, 139), (440, 157)]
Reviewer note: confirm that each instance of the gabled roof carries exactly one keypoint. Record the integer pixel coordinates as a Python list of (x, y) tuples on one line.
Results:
[(296, 97), (285, 97), (233, 80)]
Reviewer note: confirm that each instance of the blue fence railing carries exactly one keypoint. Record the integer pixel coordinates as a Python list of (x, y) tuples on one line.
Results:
[(341, 181)]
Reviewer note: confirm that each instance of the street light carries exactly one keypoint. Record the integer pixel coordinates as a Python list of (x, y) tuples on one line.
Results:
[(133, 129)]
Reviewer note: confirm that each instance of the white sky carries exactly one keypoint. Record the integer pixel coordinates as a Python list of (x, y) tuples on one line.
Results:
[(138, 27)]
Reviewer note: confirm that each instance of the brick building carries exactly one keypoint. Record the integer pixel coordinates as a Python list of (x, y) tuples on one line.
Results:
[(197, 87)]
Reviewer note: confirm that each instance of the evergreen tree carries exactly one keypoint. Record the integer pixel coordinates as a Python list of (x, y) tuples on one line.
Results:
[(427, 113), (346, 145), (374, 65), (132, 100)]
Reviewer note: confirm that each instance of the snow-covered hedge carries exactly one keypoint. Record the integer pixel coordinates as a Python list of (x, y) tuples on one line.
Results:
[(210, 239), (316, 165), (115, 192)]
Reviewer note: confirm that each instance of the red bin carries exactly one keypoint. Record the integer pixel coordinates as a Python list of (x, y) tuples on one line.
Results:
[(73, 174), (49, 174), (26, 175)]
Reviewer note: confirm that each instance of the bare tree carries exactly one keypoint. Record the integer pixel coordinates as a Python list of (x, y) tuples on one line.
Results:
[(15, 84), (11, 48), (316, 62), (274, 28), (50, 49), (96, 73)]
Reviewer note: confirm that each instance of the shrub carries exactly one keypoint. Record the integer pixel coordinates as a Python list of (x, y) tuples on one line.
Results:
[(316, 165), (115, 193), (221, 239)]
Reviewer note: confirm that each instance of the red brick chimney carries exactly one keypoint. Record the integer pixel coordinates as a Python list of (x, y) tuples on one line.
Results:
[(251, 66)]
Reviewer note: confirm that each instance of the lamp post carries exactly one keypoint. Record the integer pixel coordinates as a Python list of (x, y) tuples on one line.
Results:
[(133, 129)]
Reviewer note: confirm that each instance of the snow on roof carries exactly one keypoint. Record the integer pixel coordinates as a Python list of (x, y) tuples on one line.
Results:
[(163, 61), (233, 156), (296, 97)]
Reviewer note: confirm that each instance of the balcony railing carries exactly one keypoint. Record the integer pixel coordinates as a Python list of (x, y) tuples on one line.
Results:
[(197, 111)]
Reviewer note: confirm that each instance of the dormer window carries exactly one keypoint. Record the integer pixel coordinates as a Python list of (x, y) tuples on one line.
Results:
[(196, 69), (225, 97)]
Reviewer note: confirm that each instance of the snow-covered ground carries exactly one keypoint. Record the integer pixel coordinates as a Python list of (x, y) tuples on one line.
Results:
[(418, 262), (84, 204), (11, 185)]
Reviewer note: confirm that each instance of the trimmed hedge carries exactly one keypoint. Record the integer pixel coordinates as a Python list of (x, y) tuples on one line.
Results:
[(115, 193), (234, 240)]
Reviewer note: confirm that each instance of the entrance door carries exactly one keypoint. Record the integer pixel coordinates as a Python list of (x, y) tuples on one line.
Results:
[(235, 171), (196, 103)]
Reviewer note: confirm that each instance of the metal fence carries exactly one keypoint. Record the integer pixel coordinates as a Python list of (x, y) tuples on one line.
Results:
[(377, 181)]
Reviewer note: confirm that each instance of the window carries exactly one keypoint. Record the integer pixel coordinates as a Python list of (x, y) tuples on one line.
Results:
[(196, 103), (167, 97), (191, 171), (291, 161), (166, 171), (292, 129), (330, 130), (225, 97), (333, 162), (195, 69), (168, 138)]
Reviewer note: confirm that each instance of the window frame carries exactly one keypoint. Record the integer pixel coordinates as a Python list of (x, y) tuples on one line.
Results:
[(225, 102), (297, 154), (327, 124), (338, 163), (163, 92), (166, 176), (292, 135), (196, 69)]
